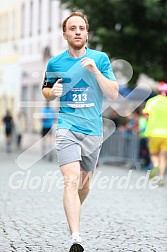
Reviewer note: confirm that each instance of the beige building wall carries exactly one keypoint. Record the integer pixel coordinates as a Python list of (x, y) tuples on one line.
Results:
[(30, 34), (41, 38), (9, 55)]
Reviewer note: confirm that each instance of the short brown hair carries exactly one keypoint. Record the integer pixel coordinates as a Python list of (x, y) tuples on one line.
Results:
[(73, 14)]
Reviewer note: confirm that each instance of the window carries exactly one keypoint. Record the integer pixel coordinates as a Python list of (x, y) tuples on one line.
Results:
[(13, 24), (24, 93), (31, 18), (22, 19), (39, 16), (36, 92), (50, 15), (24, 98)]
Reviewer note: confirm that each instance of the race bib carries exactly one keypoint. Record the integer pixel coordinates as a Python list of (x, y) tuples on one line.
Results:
[(80, 97)]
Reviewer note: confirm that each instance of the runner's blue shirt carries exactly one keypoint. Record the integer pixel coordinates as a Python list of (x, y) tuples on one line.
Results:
[(81, 102)]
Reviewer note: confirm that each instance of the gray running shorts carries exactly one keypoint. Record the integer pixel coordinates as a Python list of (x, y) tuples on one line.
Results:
[(73, 146)]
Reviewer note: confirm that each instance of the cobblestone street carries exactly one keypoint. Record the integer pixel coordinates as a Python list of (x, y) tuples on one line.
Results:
[(116, 217)]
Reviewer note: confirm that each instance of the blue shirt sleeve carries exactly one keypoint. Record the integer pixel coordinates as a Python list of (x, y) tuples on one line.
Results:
[(106, 68), (50, 75)]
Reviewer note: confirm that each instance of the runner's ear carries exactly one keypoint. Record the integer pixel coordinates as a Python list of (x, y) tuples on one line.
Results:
[(64, 35)]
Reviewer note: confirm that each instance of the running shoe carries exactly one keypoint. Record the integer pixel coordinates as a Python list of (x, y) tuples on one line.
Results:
[(161, 182), (76, 248), (154, 172)]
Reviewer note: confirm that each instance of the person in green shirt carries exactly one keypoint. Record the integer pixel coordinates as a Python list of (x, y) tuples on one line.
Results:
[(156, 131)]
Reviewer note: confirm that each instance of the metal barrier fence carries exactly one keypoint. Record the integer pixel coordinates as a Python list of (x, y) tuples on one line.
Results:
[(120, 148)]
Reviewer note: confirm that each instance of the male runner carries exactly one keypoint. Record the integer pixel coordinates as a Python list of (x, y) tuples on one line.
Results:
[(79, 76)]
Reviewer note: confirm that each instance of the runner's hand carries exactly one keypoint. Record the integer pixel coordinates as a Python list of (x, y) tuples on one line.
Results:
[(90, 65), (57, 89)]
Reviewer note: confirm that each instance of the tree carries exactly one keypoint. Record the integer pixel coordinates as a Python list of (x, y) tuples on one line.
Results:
[(133, 30)]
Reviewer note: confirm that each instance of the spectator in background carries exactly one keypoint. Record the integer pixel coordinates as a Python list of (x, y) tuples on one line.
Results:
[(9, 124), (131, 127), (143, 148), (48, 116), (20, 128), (156, 109), (133, 122)]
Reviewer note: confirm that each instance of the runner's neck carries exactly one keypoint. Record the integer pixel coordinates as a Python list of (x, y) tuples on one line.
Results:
[(77, 53)]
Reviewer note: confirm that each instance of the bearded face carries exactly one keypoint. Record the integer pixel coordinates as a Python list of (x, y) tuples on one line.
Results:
[(76, 33)]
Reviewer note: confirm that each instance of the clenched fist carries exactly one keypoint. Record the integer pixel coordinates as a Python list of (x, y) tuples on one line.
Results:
[(90, 65), (57, 89)]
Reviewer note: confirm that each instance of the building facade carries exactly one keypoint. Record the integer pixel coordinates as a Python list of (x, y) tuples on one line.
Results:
[(31, 34), (9, 56)]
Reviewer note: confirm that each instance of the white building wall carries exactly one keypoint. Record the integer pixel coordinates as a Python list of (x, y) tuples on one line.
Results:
[(22, 62), (46, 17), (9, 56)]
